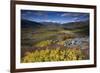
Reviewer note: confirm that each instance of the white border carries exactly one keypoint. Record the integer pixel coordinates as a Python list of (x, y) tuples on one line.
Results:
[(52, 64)]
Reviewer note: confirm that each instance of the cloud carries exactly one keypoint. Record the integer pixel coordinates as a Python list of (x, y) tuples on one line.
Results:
[(76, 18), (47, 20), (39, 13), (24, 13), (65, 14), (30, 12), (70, 14)]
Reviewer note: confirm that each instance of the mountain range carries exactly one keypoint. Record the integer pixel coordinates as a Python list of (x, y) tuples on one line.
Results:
[(70, 25)]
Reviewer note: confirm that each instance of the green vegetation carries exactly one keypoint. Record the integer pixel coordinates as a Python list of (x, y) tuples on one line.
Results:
[(43, 34), (53, 55)]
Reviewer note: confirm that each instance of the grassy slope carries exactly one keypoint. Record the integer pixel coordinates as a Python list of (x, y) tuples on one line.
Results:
[(33, 39)]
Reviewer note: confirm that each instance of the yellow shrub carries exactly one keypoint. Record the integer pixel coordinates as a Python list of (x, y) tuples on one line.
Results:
[(43, 43), (56, 54)]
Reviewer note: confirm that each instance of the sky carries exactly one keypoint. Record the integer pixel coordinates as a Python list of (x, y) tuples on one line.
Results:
[(53, 16)]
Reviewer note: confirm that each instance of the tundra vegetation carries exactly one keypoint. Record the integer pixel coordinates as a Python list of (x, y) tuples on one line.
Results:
[(54, 43)]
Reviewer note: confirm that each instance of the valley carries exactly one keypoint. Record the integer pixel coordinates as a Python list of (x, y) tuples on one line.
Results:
[(47, 41)]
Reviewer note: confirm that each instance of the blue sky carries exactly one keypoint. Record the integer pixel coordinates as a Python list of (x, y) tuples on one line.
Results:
[(52, 16)]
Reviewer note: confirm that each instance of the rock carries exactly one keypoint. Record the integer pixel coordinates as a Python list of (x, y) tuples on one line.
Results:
[(76, 42)]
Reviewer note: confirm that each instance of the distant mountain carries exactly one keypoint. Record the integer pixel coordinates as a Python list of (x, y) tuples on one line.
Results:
[(49, 23), (76, 25), (52, 25), (27, 24)]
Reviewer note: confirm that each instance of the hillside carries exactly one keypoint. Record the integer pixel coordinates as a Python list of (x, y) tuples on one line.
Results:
[(76, 25), (27, 24)]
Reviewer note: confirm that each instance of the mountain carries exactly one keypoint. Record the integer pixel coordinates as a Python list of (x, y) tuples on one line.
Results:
[(49, 23), (76, 25), (82, 27), (27, 24)]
